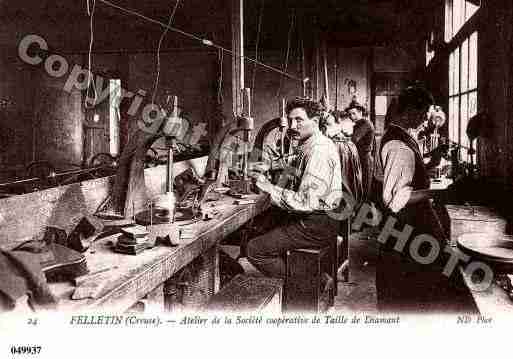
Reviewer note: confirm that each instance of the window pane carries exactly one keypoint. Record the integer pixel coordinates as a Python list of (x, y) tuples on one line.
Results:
[(456, 119), (464, 66), (472, 66), (452, 126), (472, 104), (458, 11), (448, 20), (470, 9), (456, 72), (463, 115), (451, 77), (453, 119), (463, 124), (451, 74)]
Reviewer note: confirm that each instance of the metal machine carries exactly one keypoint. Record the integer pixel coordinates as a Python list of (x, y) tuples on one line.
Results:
[(165, 208), (228, 162), (277, 158)]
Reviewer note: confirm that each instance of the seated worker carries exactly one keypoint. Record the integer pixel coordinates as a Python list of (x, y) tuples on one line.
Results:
[(305, 194), (404, 284), (363, 137), (339, 127)]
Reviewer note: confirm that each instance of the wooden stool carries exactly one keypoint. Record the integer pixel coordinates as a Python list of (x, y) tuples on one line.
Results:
[(310, 279), (247, 294)]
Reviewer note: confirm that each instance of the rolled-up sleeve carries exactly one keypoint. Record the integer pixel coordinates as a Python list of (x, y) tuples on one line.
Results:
[(399, 167)]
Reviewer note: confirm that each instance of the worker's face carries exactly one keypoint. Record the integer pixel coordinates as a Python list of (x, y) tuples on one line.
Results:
[(355, 114), (331, 127), (300, 125), (436, 116), (347, 126)]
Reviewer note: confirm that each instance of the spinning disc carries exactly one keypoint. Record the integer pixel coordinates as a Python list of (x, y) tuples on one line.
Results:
[(161, 216), (495, 249)]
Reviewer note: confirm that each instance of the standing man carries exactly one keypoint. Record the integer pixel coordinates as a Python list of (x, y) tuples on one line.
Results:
[(363, 138), (303, 196), (404, 284), (339, 127)]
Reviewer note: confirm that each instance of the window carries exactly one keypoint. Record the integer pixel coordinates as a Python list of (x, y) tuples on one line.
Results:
[(462, 90), (457, 12)]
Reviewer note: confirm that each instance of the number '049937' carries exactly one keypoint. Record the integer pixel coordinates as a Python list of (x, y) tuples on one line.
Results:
[(25, 349)]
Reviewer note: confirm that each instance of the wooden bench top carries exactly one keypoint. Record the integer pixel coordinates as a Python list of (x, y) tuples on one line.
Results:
[(135, 276)]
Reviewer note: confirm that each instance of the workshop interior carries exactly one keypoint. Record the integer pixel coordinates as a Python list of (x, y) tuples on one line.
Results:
[(149, 148)]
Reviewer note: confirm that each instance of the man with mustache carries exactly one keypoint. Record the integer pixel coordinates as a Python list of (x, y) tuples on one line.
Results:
[(305, 194)]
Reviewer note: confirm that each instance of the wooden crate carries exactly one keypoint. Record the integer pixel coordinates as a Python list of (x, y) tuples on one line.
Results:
[(249, 294), (304, 290)]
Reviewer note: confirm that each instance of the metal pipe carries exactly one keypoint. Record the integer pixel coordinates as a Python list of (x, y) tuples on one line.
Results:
[(80, 171), (169, 166)]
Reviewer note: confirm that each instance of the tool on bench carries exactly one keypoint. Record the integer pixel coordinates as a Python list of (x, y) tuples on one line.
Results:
[(92, 275), (57, 261), (245, 124), (245, 201), (92, 284), (163, 208), (133, 240)]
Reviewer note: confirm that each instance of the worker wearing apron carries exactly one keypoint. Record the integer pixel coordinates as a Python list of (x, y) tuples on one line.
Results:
[(404, 284)]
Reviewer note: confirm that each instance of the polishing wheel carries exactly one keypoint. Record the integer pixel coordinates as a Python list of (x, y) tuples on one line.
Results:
[(493, 249), (161, 216)]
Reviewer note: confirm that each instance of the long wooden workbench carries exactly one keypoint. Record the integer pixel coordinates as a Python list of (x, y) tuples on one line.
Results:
[(136, 276)]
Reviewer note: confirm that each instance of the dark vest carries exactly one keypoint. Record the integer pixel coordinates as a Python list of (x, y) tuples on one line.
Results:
[(352, 181), (419, 215), (394, 132), (402, 283)]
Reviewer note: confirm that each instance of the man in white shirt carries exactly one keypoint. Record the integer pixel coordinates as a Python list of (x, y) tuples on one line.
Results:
[(304, 196)]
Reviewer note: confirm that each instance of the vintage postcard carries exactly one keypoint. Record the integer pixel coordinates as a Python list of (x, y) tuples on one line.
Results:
[(187, 177)]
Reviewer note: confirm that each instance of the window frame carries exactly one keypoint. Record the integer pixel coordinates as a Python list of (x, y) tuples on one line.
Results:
[(450, 30), (458, 96)]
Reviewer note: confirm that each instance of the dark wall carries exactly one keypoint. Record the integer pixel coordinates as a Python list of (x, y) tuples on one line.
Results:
[(50, 122), (269, 87), (40, 121), (16, 111), (344, 65), (495, 91)]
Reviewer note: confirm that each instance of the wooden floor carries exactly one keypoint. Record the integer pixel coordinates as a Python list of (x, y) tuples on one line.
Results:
[(359, 295)]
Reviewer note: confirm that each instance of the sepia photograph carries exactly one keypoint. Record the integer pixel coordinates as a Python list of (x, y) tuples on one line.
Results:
[(177, 172)]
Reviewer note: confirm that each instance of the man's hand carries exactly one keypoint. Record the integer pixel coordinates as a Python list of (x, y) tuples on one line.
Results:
[(261, 181)]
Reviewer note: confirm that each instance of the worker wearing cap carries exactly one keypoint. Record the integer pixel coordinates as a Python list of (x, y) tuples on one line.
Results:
[(363, 138)]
